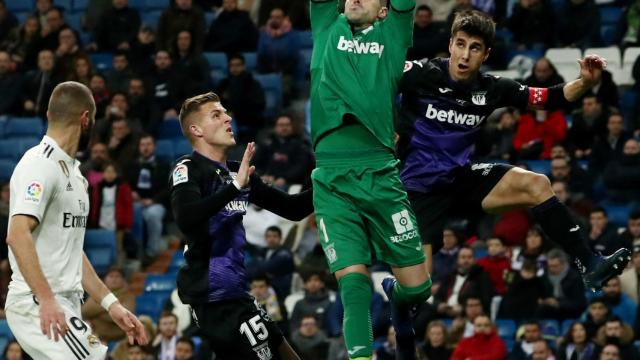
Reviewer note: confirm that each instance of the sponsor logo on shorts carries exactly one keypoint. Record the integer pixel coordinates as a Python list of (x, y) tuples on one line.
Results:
[(264, 352), (34, 192), (486, 168), (404, 227), (180, 174), (331, 254)]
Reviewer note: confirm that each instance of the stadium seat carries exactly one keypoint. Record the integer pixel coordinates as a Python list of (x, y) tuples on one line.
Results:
[(66, 4), (480, 253), (4, 329), (550, 328), (569, 71), (534, 54), (610, 14), (566, 324), (508, 343), (617, 214), (209, 18), (138, 4), (101, 244), (251, 61), (272, 86), (506, 328), (610, 34), (102, 61), (150, 18), (81, 5), (164, 150), (101, 258), (156, 4), (629, 57), (181, 147), (74, 20), (6, 169), (217, 61), (162, 284), (19, 5), (26, 143), (23, 127), (563, 56), (10, 149), (169, 129), (627, 107), (99, 238), (305, 39), (150, 305), (177, 259), (611, 53), (540, 166), (21, 16)]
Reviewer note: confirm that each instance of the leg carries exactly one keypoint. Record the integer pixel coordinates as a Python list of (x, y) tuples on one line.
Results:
[(153, 216), (356, 292), (520, 188)]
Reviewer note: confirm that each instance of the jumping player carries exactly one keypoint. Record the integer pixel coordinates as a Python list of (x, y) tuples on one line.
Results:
[(444, 103), (48, 215), (209, 197), (361, 205)]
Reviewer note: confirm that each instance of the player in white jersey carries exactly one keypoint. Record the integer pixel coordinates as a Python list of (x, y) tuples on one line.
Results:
[(48, 208)]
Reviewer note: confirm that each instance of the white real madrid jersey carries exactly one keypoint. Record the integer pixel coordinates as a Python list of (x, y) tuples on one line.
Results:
[(47, 185)]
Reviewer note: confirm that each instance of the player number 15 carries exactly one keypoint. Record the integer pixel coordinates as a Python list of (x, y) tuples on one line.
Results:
[(257, 329)]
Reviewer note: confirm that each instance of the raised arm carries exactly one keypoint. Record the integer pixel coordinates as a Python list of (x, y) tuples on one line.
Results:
[(590, 74), (323, 13), (399, 21)]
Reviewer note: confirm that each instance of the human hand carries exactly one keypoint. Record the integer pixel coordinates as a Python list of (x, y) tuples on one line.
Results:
[(246, 169), (591, 69), (52, 321), (129, 323)]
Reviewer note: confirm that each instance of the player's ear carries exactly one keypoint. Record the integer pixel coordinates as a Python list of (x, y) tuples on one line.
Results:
[(85, 119), (195, 131), (486, 54), (383, 12)]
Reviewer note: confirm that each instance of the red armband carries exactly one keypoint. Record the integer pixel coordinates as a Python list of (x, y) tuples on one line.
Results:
[(538, 96)]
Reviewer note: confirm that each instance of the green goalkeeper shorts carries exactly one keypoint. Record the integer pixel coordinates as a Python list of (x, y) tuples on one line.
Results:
[(361, 207)]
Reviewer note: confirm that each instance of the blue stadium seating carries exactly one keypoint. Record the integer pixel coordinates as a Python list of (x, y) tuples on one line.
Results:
[(305, 39), (19, 5), (506, 328), (566, 324), (610, 34), (169, 129), (161, 284), (181, 147), (209, 18), (509, 344), (164, 150), (137, 4), (6, 169), (22, 16), (99, 238), (480, 253), (81, 5), (217, 61), (101, 258), (550, 328), (151, 305), (251, 61), (540, 166), (610, 14), (24, 127), (100, 246), (25, 144), (303, 67), (10, 149), (627, 107), (102, 61), (272, 86), (151, 18), (74, 19), (617, 214), (156, 4), (4, 329), (66, 4), (176, 261)]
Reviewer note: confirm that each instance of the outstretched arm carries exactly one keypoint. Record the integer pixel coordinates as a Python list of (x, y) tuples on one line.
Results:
[(590, 74), (323, 13)]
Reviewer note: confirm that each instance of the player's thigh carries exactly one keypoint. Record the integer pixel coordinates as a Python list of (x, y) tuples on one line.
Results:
[(432, 213), (476, 181), (239, 329), (341, 228), (79, 343), (390, 220)]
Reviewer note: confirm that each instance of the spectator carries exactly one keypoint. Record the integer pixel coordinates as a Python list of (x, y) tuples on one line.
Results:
[(316, 301), (137, 352), (621, 335), (148, 179), (532, 14), (123, 143), (436, 342), (101, 96), (561, 189), (167, 87), (67, 52), (142, 50), (232, 31), (11, 84), (310, 342), (38, 86), (588, 122), (92, 312), (603, 236), (387, 350), (485, 342), (462, 326), (579, 25), (537, 132), (13, 351), (630, 237), (337, 349), (256, 222), (139, 104), (112, 207), (607, 91), (610, 352), (23, 43), (630, 278), (185, 349), (596, 315), (164, 345), (82, 70), (181, 15), (444, 261), (475, 282), (534, 249), (524, 294), (429, 37), (277, 263), (278, 45), (118, 108), (285, 158), (244, 97), (119, 76), (441, 8), (41, 10), (622, 176), (620, 304), (608, 148), (567, 299), (497, 143), (578, 179), (51, 29), (116, 28), (191, 63), (266, 297), (497, 264), (544, 73), (576, 345), (524, 349), (8, 21), (541, 351), (94, 167), (121, 351)]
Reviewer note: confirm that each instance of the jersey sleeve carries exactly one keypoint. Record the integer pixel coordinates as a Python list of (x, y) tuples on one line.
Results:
[(323, 13), (399, 21), (33, 186), (516, 94)]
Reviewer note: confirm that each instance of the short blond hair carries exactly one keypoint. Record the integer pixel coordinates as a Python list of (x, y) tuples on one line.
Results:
[(193, 105), (68, 100)]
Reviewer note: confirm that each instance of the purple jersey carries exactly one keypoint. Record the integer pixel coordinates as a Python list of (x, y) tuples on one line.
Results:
[(440, 119)]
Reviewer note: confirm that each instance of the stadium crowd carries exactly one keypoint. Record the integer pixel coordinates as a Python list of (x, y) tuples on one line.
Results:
[(501, 288)]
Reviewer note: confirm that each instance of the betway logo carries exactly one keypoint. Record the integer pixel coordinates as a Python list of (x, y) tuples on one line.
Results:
[(357, 47), (453, 117), (236, 205)]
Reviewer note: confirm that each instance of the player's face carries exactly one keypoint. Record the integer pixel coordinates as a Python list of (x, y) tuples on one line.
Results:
[(467, 55), (364, 12), (215, 125)]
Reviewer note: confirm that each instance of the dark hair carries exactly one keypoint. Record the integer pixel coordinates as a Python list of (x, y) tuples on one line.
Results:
[(569, 335), (187, 340), (274, 229), (599, 299), (307, 275), (165, 314), (599, 209), (424, 8), (261, 276), (614, 318), (236, 56), (475, 23), (634, 215), (120, 52), (115, 269)]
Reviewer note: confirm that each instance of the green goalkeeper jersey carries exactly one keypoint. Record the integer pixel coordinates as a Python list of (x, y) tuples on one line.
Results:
[(357, 72)]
